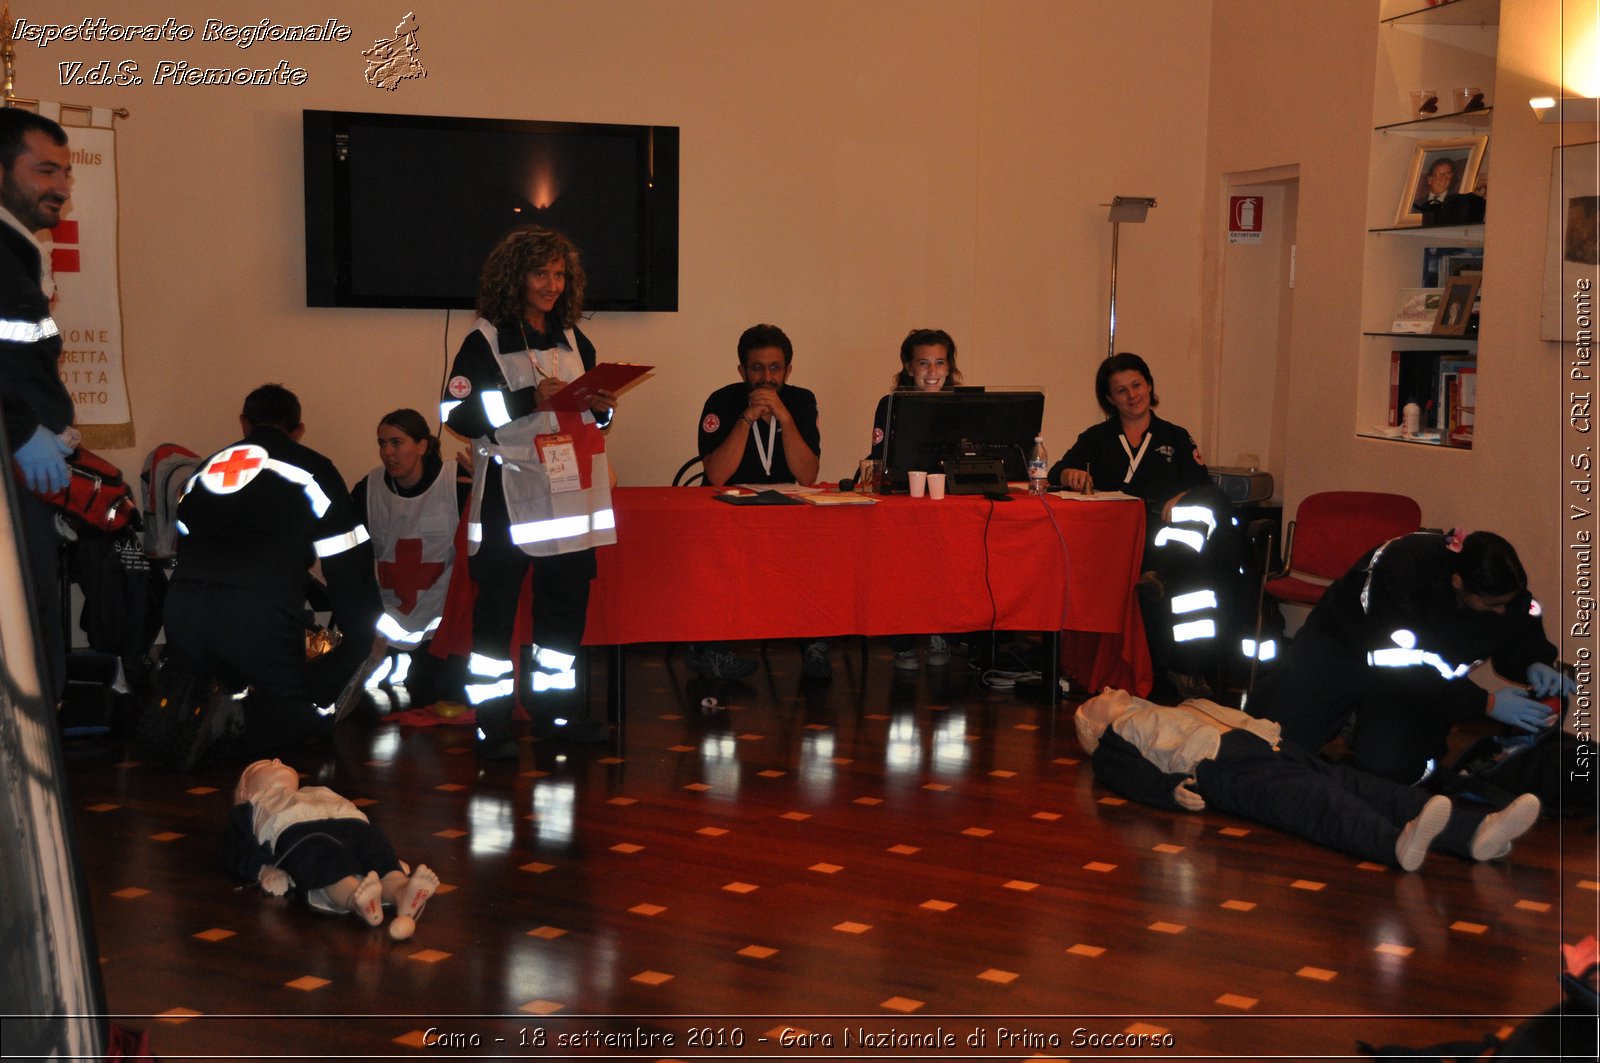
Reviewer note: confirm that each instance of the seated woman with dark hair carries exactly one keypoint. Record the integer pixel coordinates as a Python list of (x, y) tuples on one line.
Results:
[(411, 505), (1392, 642), (927, 363), (1189, 542)]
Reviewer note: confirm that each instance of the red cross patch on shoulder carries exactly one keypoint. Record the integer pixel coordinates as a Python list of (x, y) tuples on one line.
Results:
[(232, 469), (459, 387), (711, 423)]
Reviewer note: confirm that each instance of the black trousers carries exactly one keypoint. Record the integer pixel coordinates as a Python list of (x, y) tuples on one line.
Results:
[(43, 546), (560, 591), (320, 852), (244, 638), (1330, 804), (1318, 686)]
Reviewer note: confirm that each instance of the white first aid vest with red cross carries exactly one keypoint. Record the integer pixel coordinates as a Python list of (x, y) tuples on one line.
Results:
[(413, 540), (552, 465)]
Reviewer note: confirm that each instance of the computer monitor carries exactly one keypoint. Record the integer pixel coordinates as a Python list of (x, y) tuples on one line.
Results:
[(925, 429)]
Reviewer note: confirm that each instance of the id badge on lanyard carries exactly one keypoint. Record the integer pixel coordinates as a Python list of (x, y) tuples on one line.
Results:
[(560, 460)]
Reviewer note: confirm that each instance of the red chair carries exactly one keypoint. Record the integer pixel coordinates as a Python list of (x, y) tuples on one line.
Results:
[(1330, 532)]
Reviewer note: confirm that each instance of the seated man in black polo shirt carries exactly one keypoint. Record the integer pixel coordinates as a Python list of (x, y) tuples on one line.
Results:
[(761, 430)]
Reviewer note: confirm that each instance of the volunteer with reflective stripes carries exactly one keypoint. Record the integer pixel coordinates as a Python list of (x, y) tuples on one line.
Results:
[(35, 177), (541, 489), (410, 505), (252, 522), (1392, 642), (1190, 543)]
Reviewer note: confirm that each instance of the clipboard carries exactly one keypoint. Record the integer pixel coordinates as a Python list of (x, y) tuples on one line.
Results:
[(607, 376)]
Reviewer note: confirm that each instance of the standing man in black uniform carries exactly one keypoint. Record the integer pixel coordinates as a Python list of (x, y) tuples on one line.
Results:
[(35, 177), (762, 430), (252, 522)]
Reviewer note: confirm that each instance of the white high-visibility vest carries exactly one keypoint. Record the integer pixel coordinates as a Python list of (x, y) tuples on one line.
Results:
[(428, 519), (543, 522)]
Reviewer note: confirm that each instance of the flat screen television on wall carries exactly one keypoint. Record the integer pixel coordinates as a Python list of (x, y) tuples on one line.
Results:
[(402, 210)]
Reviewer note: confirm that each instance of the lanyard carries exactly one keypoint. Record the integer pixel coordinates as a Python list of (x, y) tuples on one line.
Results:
[(764, 450), (1133, 459)]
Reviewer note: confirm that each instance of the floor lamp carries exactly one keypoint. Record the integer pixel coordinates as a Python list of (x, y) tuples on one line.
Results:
[(1123, 208)]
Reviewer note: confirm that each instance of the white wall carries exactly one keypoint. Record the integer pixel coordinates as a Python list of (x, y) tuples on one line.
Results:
[(850, 170)]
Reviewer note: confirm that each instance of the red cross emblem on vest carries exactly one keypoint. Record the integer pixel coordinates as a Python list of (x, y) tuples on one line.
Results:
[(408, 575), (233, 468)]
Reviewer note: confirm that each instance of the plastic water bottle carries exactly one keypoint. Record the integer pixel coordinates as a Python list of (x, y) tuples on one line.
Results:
[(1038, 467)]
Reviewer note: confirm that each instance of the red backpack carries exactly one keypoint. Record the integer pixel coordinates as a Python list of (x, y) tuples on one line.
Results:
[(96, 495)]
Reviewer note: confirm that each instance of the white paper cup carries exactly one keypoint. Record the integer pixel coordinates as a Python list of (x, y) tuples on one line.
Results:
[(936, 485), (918, 482)]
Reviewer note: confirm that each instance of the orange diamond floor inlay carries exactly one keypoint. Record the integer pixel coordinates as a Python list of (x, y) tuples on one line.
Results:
[(848, 927), (1167, 848), (1100, 866), (905, 1004), (413, 1039), (307, 982), (451, 834), (651, 977), (216, 933), (1091, 951), (647, 909), (541, 1007), (177, 1015), (1162, 927), (937, 787), (1307, 884), (937, 905), (1048, 817), (680, 749), (536, 868), (741, 887), (1113, 801), (772, 773), (1464, 927), (449, 787), (103, 808), (1066, 761), (1001, 773), (698, 786), (166, 836), (757, 952), (609, 760), (627, 848), (977, 832), (622, 801), (429, 956), (1368, 865), (1239, 906), (904, 850), (999, 977), (1021, 885), (131, 893), (549, 933), (1533, 906), (868, 801), (796, 816), (201, 791), (1389, 949), (825, 869), (1234, 1000), (1233, 832), (1588, 884), (1320, 974), (712, 832), (364, 802)]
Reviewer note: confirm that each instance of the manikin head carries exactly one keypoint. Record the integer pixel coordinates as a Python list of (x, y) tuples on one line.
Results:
[(1097, 714), (262, 776)]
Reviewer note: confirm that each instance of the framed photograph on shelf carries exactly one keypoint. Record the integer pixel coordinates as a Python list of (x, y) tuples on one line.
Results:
[(1433, 259), (1416, 310), (1572, 253), (1438, 189), (1455, 308), (1456, 265)]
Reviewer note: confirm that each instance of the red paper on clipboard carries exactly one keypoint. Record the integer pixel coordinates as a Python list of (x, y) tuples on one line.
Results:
[(607, 376)]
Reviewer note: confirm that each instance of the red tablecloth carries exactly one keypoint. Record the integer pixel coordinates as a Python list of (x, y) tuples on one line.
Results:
[(689, 568)]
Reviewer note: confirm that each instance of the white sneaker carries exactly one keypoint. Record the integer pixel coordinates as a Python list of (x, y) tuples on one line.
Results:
[(938, 651), (906, 661), (1492, 840)]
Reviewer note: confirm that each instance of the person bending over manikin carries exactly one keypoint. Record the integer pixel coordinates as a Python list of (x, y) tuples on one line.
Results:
[(282, 836), (1200, 754)]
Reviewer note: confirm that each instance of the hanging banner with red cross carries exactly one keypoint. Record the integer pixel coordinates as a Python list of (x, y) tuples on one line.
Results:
[(83, 256)]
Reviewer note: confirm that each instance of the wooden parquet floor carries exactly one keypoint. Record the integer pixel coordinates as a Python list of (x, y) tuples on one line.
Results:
[(889, 864)]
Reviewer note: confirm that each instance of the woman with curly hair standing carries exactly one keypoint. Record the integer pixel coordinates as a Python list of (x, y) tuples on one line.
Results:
[(541, 493)]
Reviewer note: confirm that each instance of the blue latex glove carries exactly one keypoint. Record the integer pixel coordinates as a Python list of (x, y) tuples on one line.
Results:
[(1547, 682), (43, 460), (1516, 708)]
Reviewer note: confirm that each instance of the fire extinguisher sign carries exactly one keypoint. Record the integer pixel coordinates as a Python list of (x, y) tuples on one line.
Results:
[(1244, 219)]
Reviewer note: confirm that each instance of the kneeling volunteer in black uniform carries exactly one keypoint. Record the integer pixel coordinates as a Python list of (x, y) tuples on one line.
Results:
[(253, 520)]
